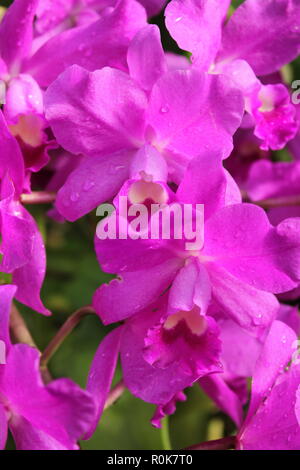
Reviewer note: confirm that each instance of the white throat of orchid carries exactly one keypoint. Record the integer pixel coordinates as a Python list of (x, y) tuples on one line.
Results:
[(267, 100), (197, 323), (143, 190), (29, 128)]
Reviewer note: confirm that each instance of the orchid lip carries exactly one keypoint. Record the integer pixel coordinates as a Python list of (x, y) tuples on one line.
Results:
[(195, 322), (144, 189)]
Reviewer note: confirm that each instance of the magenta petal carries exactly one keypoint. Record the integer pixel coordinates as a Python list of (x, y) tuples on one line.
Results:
[(275, 425), (273, 179), (294, 145), (264, 33), (202, 294), (61, 409), (233, 193), (289, 234), (225, 398), (196, 352), (251, 249), (118, 256), (194, 189), (240, 350), (175, 102), (143, 380), (146, 60), (153, 7), (176, 61), (190, 287), (7, 293), (193, 113), (276, 125), (3, 427), (257, 309), (197, 27), (17, 233), (275, 355), (96, 45), (87, 115), (102, 372), (23, 97), (3, 68), (297, 405), (75, 407), (166, 409), (30, 276), (50, 13), (290, 316), (83, 192), (139, 288), (11, 159), (28, 437), (16, 32), (182, 291), (150, 161)]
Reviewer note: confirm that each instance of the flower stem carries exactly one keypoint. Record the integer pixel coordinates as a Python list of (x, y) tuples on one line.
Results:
[(220, 444), (38, 197), (18, 328), (115, 394), (165, 434), (63, 332), (20, 334)]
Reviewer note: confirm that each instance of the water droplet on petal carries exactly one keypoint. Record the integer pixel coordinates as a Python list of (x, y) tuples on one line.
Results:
[(257, 319), (74, 197), (88, 185), (164, 109)]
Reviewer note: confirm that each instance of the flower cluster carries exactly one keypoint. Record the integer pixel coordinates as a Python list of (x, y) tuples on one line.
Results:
[(95, 110)]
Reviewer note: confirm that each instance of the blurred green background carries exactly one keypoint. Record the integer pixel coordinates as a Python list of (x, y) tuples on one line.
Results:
[(73, 275)]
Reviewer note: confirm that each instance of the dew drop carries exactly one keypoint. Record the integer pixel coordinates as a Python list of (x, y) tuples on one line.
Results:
[(257, 319), (164, 109), (74, 197), (88, 185)]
